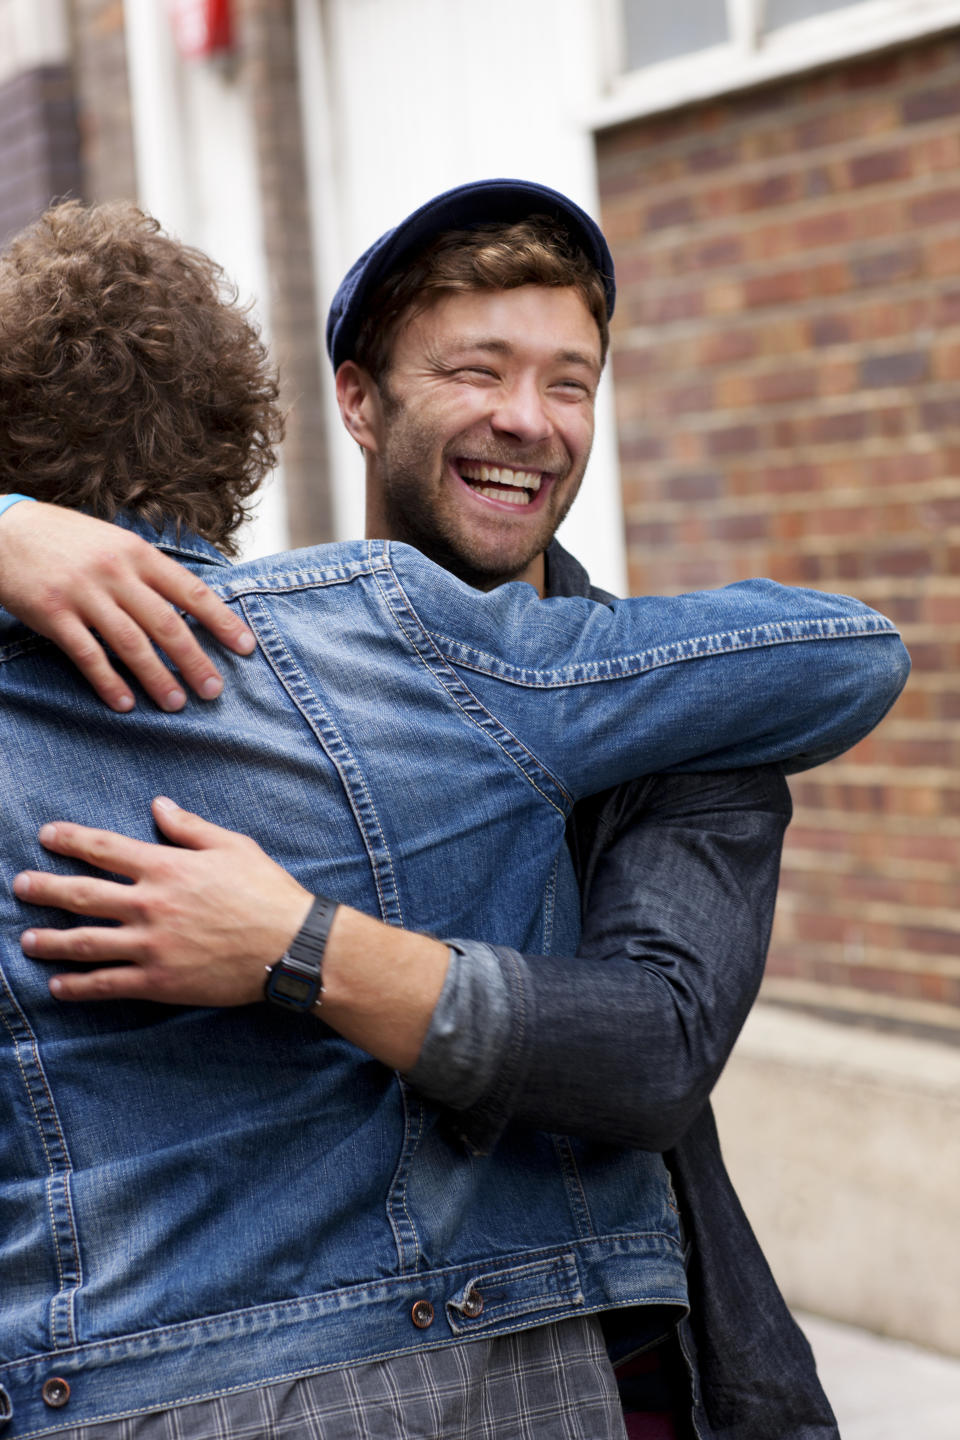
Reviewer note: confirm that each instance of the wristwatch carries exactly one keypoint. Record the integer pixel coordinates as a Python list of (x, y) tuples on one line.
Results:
[(295, 982)]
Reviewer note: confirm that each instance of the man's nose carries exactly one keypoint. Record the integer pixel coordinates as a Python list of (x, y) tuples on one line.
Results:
[(520, 411)]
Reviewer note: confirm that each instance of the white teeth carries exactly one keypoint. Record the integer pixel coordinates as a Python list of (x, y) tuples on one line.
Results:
[(511, 497), (499, 475)]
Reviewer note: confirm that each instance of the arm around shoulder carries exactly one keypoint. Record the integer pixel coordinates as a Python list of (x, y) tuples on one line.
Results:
[(753, 674), (622, 1043)]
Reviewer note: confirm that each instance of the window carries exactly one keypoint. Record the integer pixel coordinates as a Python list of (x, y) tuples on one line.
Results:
[(681, 27), (664, 53), (784, 12)]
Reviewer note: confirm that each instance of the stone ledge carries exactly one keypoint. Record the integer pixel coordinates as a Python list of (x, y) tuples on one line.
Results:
[(844, 1146)]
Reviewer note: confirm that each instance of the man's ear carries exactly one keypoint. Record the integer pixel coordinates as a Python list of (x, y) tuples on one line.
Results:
[(360, 409)]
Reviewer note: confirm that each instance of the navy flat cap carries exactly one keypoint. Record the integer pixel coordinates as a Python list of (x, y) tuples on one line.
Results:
[(479, 203)]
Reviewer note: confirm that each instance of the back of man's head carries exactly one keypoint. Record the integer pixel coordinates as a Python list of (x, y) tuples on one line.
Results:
[(129, 376)]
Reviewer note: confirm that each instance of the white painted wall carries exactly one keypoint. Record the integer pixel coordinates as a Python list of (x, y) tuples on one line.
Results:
[(196, 172), (405, 98)]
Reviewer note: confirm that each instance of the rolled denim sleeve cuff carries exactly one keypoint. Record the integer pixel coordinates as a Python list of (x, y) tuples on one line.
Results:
[(469, 1029), (471, 1062)]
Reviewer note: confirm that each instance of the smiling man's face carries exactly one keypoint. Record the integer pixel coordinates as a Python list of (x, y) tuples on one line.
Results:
[(481, 430)]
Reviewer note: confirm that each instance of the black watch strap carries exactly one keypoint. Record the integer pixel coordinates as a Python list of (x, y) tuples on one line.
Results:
[(296, 980)]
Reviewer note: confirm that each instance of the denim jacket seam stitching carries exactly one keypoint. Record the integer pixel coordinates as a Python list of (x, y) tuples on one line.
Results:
[(568, 1163), (55, 1173), (280, 582), (68, 1293), (385, 861), (312, 724), (33, 1104), (540, 1257), (493, 719), (519, 1324), (499, 729), (622, 667), (398, 1186)]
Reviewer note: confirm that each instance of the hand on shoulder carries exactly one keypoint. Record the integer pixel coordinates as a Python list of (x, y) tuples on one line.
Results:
[(87, 585)]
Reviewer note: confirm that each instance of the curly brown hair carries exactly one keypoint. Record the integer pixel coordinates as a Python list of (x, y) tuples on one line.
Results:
[(497, 256), (129, 376)]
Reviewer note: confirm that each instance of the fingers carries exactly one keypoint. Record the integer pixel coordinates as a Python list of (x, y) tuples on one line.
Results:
[(90, 944), (80, 894), (121, 982), (174, 637), (128, 635), (201, 920), (102, 848), (114, 583), (189, 830), (145, 613), (89, 656), (184, 590)]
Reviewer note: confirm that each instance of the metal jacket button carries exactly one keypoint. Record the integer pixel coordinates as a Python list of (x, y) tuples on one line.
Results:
[(422, 1314), (55, 1392), (472, 1304)]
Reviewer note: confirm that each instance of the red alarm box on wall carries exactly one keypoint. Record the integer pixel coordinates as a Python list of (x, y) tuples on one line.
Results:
[(201, 27)]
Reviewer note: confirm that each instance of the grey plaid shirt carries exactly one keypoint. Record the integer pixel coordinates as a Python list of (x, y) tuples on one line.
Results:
[(551, 1383)]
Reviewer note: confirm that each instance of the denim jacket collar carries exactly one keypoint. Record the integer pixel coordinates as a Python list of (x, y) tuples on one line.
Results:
[(173, 537)]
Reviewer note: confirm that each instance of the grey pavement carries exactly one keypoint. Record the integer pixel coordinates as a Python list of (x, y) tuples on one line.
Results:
[(885, 1389)]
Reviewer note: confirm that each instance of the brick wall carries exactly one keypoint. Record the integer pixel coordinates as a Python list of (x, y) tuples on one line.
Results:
[(786, 360), (39, 156), (270, 70), (65, 129), (103, 99)]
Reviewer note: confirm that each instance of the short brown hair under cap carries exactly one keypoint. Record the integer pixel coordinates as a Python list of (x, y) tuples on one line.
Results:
[(499, 256)]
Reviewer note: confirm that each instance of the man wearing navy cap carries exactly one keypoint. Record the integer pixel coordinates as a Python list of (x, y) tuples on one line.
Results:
[(468, 344), (632, 1063)]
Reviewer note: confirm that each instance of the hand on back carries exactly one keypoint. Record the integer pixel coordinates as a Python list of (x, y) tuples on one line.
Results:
[(88, 585), (201, 919)]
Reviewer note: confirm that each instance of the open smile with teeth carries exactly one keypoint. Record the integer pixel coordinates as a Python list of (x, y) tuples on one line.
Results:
[(498, 482)]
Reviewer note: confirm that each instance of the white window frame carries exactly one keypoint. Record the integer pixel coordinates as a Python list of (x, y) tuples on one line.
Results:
[(751, 57)]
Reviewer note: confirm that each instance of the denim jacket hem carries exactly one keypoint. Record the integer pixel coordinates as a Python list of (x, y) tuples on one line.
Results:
[(241, 1349)]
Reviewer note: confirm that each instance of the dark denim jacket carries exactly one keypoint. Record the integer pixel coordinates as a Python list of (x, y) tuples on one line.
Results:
[(678, 879)]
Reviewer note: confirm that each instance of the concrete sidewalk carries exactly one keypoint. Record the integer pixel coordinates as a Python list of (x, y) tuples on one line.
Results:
[(885, 1389)]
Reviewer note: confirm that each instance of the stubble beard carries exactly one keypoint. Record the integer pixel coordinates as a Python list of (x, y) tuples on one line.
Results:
[(415, 513)]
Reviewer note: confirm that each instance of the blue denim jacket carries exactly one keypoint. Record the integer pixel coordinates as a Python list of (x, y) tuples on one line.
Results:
[(195, 1201)]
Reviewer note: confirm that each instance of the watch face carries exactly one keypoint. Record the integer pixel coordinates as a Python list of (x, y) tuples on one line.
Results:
[(293, 989)]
